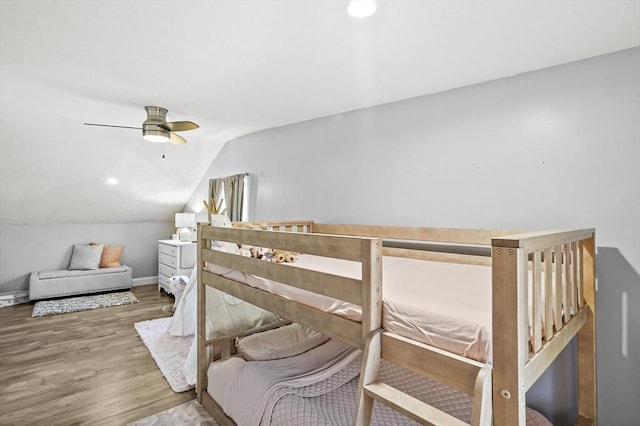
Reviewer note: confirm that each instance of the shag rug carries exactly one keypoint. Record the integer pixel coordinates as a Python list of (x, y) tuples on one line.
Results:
[(189, 413), (169, 352), (82, 303)]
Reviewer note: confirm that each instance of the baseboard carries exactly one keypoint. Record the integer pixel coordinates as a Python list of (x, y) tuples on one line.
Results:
[(144, 281), (11, 298)]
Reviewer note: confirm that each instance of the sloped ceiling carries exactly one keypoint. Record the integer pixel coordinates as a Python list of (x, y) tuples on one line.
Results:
[(236, 67)]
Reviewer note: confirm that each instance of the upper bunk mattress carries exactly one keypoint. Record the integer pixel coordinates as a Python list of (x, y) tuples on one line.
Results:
[(446, 305)]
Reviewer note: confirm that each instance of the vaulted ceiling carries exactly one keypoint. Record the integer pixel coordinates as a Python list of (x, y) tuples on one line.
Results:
[(237, 67)]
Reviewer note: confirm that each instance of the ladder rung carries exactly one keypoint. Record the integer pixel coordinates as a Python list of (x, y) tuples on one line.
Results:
[(417, 410)]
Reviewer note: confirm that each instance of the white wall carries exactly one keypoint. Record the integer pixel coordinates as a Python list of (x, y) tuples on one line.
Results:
[(548, 149), (45, 247)]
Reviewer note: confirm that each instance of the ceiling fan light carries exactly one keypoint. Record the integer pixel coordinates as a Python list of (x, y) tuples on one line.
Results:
[(361, 8), (155, 135)]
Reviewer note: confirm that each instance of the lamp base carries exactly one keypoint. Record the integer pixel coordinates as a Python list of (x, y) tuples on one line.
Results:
[(185, 234)]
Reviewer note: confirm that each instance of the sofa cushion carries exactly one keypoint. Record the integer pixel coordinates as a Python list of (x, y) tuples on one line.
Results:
[(78, 273), (86, 256)]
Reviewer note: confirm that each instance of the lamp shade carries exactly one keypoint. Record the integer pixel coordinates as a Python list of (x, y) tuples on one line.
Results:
[(180, 220), (185, 220)]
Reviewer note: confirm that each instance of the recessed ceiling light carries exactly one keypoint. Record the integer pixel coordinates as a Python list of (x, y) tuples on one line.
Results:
[(361, 8), (112, 181)]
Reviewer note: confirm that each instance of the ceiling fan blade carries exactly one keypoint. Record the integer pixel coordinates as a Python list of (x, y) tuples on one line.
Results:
[(179, 126), (112, 125), (177, 139)]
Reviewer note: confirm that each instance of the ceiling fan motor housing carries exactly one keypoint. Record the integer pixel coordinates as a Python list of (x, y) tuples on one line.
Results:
[(151, 129)]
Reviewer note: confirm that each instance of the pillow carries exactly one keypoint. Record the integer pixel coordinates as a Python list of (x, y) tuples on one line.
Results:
[(282, 342), (111, 256), (86, 256)]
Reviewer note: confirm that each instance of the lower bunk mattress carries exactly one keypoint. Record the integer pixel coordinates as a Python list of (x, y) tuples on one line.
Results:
[(319, 387)]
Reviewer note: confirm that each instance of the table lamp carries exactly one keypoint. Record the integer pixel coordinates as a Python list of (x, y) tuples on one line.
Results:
[(185, 221)]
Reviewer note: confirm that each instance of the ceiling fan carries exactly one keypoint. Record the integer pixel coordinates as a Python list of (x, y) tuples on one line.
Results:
[(156, 128)]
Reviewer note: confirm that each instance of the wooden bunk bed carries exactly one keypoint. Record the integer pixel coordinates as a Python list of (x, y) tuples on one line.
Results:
[(543, 295)]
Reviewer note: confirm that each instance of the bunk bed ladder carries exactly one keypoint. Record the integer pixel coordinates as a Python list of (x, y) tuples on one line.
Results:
[(370, 389)]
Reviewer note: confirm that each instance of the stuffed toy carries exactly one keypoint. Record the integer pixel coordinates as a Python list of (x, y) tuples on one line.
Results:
[(259, 252), (282, 256), (249, 225), (177, 284), (248, 250)]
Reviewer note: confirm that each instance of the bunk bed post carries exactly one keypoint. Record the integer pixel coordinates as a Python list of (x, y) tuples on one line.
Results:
[(587, 407), (510, 336), (201, 313), (371, 286)]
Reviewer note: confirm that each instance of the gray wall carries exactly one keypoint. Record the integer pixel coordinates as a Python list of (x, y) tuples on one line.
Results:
[(547, 149), (28, 248)]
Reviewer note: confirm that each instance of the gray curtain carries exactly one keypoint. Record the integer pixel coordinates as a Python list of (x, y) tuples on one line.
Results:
[(231, 188), (216, 190)]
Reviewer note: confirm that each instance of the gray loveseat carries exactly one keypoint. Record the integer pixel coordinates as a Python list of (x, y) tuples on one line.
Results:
[(50, 284)]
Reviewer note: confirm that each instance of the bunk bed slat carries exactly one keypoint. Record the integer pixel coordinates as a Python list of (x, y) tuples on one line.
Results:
[(537, 302), (336, 286), (443, 235), (548, 294), (453, 370), (574, 276), (341, 247), (332, 325), (411, 407), (468, 259), (567, 284), (580, 274), (245, 333), (541, 361), (558, 289)]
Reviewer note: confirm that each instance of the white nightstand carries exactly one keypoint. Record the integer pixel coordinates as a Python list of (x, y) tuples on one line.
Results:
[(175, 258)]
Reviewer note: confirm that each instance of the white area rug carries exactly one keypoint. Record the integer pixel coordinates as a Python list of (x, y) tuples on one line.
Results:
[(169, 352), (189, 413), (82, 303)]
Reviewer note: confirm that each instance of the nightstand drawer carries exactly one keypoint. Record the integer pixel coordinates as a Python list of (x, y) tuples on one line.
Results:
[(163, 281), (167, 260), (165, 270), (168, 250)]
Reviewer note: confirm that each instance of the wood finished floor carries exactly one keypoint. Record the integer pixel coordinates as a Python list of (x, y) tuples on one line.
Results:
[(82, 368)]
